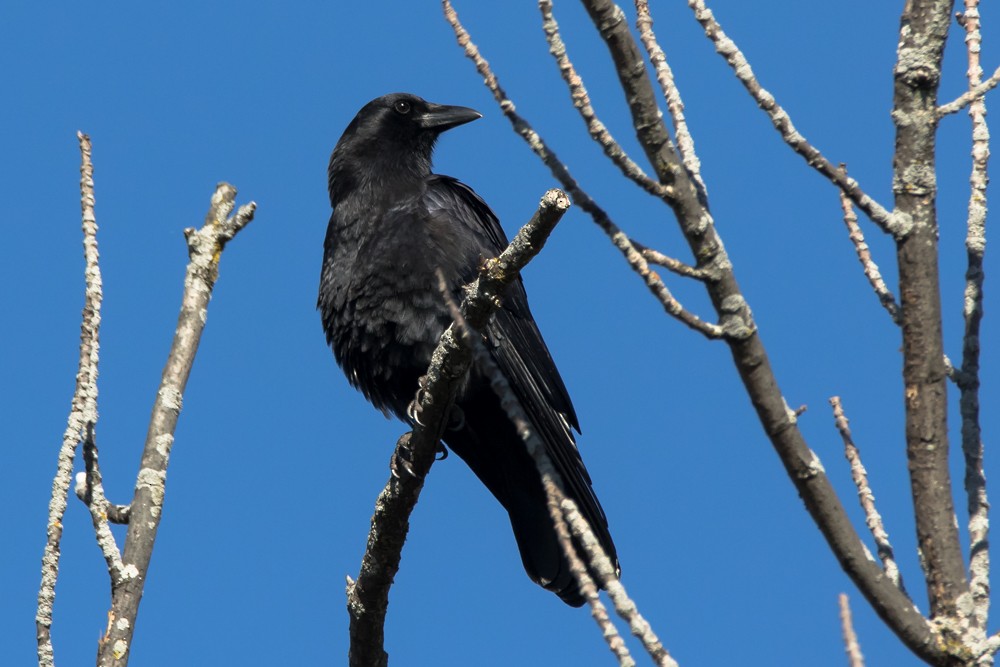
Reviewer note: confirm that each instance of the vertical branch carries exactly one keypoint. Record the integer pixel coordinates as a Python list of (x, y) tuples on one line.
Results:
[(975, 245), (83, 408), (205, 248), (923, 30)]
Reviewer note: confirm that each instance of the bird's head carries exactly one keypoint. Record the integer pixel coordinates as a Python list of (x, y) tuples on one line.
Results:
[(395, 131)]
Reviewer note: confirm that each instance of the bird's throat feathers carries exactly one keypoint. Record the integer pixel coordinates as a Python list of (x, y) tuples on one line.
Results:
[(387, 169)]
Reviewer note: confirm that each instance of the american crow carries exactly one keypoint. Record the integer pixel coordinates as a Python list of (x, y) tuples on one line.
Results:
[(394, 224)]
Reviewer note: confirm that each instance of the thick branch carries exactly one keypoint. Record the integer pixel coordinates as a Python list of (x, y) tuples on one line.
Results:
[(205, 248), (748, 352), (83, 407), (923, 29), (368, 597)]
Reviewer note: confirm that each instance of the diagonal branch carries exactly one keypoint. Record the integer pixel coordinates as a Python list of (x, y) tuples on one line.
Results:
[(368, 596), (665, 77), (866, 497), (83, 408), (621, 241), (888, 222), (974, 93), (205, 248), (581, 100), (868, 265)]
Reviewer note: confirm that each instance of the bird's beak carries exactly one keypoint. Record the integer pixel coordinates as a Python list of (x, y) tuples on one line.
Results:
[(441, 117)]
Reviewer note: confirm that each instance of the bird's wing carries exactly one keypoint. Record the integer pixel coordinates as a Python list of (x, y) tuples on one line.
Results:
[(520, 352)]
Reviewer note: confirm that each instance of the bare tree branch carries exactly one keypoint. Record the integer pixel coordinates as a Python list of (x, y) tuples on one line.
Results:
[(975, 245), (974, 93), (83, 407), (205, 248), (665, 77), (368, 596), (581, 100), (550, 479), (851, 646), (621, 241), (923, 30), (868, 265), (891, 223), (565, 512), (93, 497), (749, 355), (860, 476)]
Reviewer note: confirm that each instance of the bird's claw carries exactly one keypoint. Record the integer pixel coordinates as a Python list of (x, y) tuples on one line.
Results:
[(416, 405), (441, 452), (402, 459)]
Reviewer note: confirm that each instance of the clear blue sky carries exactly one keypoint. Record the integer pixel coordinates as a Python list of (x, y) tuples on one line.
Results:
[(277, 462)]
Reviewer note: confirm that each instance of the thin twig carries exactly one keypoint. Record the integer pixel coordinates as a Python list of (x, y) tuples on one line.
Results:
[(83, 407), (117, 514), (860, 476), (581, 100), (579, 569), (623, 604), (675, 106), (868, 265), (368, 596), (670, 263), (205, 248), (851, 646), (976, 92), (98, 505), (888, 222), (511, 405), (598, 560), (621, 241), (972, 311)]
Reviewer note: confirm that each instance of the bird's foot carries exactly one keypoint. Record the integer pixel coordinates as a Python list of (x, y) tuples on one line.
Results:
[(414, 408), (402, 459), (441, 452)]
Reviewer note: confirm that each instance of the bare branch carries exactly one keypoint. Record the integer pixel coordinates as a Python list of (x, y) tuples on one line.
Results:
[(368, 596), (83, 407), (93, 497), (851, 646), (581, 100), (597, 609), (972, 311), (665, 77), (860, 476), (83, 488), (205, 248), (868, 265), (671, 264), (976, 92), (889, 222), (632, 255), (923, 31)]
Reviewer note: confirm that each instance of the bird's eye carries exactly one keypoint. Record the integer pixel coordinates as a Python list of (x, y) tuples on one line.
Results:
[(401, 106)]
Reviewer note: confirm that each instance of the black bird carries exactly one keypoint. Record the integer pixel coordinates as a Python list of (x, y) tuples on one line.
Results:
[(394, 224)]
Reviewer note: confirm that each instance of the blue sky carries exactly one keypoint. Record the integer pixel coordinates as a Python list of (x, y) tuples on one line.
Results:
[(277, 461)]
